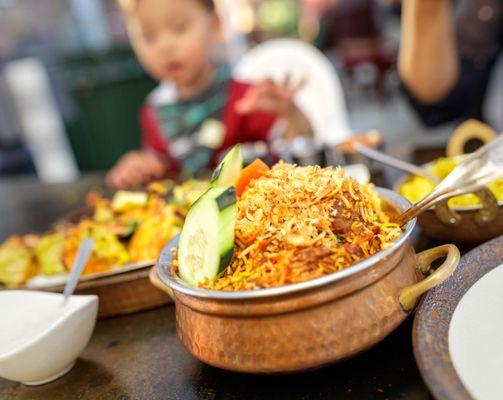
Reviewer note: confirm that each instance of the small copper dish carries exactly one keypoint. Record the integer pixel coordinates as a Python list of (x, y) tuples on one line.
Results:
[(462, 224), (310, 324), (465, 224)]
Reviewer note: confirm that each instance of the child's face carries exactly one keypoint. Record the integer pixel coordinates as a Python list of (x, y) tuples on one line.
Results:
[(173, 39)]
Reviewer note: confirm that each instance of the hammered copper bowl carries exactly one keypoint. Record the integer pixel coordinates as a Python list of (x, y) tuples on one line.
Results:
[(310, 324)]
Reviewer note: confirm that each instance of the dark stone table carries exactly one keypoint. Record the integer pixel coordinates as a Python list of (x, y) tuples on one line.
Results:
[(139, 356)]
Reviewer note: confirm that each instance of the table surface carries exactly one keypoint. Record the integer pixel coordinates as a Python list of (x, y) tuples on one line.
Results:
[(140, 357)]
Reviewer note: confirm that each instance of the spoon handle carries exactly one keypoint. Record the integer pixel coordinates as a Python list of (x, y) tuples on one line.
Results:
[(394, 162), (83, 254)]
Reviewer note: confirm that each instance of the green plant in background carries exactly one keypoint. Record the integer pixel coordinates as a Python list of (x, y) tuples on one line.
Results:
[(108, 90), (279, 17)]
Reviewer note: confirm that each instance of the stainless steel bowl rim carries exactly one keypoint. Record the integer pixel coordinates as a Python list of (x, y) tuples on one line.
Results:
[(163, 271)]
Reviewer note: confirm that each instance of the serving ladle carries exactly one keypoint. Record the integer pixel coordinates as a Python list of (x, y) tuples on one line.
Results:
[(393, 162), (477, 170)]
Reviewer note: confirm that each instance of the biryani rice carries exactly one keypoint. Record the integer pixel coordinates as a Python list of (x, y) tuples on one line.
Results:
[(299, 223)]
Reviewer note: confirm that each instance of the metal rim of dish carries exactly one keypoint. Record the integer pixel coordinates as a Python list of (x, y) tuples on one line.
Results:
[(52, 285)]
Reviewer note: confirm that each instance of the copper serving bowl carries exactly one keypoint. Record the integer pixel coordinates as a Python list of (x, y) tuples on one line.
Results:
[(310, 324)]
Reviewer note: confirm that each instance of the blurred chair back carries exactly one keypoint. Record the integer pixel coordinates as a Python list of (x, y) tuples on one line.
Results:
[(41, 123), (322, 98)]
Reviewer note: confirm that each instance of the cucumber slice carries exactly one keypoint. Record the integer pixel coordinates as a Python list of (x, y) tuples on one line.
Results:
[(128, 230), (227, 173), (207, 240), (225, 198)]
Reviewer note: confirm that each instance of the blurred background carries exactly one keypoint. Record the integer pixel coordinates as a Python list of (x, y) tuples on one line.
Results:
[(70, 86)]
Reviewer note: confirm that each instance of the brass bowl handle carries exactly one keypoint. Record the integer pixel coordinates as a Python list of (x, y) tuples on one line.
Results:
[(487, 214), (468, 130), (155, 281), (409, 295)]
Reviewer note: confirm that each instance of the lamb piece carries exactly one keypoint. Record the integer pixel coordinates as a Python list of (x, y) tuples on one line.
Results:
[(341, 219), (341, 224), (355, 250), (311, 257)]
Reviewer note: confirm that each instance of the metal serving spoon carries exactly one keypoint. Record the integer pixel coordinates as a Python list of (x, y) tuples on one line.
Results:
[(83, 254), (393, 162), (477, 170)]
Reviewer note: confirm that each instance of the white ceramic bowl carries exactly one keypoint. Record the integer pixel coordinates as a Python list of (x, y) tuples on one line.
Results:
[(40, 339)]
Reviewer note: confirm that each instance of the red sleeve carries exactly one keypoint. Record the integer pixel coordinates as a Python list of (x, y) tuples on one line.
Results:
[(152, 138), (244, 128)]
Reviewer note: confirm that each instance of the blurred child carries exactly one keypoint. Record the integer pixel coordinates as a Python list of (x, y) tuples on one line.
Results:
[(198, 110)]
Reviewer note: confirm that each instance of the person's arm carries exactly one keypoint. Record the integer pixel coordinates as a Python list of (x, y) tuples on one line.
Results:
[(139, 167), (428, 62)]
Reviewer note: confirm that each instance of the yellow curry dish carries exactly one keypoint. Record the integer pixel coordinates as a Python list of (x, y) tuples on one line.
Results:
[(414, 188)]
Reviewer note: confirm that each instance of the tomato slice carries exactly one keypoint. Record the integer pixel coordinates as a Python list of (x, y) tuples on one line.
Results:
[(255, 170)]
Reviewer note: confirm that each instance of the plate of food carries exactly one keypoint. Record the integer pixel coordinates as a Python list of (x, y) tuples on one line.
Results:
[(129, 231), (457, 329), (265, 248)]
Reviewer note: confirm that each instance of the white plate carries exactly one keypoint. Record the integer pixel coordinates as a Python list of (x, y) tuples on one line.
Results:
[(432, 334), (476, 337)]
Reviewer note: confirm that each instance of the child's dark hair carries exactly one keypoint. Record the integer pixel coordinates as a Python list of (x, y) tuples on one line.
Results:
[(208, 4)]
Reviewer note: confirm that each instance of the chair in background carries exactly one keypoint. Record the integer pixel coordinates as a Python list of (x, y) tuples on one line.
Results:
[(322, 98)]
